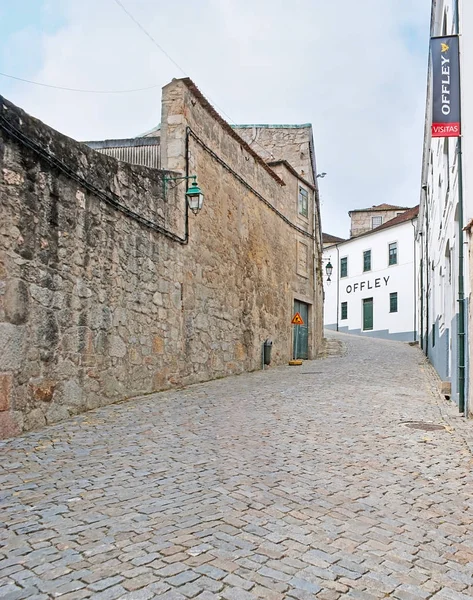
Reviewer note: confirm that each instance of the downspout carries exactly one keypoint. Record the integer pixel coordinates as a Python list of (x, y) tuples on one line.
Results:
[(338, 282), (186, 225), (317, 271), (421, 295), (427, 277), (415, 281), (461, 289)]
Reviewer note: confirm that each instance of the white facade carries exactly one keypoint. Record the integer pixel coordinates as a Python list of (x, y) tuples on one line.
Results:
[(390, 286), (443, 215)]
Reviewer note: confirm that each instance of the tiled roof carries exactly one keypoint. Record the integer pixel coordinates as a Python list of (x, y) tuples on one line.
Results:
[(410, 214), (379, 207), (331, 239)]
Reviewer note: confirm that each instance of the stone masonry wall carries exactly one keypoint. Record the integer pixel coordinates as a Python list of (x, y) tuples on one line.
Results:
[(97, 305), (90, 305), (294, 144), (291, 143), (361, 221), (254, 246)]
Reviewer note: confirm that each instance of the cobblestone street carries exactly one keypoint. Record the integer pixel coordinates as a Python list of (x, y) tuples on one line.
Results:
[(297, 482)]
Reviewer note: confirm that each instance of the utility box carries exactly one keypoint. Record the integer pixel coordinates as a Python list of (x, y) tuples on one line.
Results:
[(267, 348)]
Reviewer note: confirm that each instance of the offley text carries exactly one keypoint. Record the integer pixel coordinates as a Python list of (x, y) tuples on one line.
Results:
[(367, 285), (445, 85)]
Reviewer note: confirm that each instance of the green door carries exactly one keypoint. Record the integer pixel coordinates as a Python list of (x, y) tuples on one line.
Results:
[(301, 332), (367, 314)]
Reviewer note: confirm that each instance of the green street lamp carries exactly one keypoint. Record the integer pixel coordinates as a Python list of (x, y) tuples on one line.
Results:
[(194, 195), (329, 270)]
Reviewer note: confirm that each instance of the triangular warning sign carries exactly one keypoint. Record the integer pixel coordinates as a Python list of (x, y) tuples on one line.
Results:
[(297, 320)]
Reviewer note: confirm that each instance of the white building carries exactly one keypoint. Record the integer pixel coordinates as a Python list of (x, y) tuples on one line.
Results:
[(446, 208), (372, 288)]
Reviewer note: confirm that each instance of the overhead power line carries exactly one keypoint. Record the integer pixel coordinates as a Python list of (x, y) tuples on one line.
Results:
[(68, 89), (150, 37)]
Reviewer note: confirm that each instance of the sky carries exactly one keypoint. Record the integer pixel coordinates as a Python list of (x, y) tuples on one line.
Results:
[(356, 70)]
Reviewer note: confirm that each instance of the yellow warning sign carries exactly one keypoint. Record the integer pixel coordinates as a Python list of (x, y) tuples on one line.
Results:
[(297, 320)]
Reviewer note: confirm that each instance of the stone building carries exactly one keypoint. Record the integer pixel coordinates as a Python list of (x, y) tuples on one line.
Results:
[(366, 219), (110, 288)]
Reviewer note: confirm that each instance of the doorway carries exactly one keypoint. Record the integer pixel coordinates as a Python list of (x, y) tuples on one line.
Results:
[(367, 314), (301, 332)]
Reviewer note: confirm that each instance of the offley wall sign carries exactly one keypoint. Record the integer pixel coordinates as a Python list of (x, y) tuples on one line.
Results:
[(445, 86), (361, 286)]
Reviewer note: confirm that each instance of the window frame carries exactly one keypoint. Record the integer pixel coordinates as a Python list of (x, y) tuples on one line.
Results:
[(343, 258), (343, 310), (303, 197), (394, 243), (365, 252), (393, 296), (373, 226)]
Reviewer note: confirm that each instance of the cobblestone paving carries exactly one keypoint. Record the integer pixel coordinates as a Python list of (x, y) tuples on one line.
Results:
[(299, 482)]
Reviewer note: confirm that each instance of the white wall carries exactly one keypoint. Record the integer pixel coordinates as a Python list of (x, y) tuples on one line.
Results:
[(439, 225), (377, 284)]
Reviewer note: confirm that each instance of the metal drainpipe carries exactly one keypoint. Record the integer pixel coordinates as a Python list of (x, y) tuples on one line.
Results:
[(317, 267), (427, 277), (415, 282), (421, 295), (461, 289), (338, 282)]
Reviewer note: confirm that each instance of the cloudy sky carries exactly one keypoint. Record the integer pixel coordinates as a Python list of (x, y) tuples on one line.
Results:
[(355, 70)]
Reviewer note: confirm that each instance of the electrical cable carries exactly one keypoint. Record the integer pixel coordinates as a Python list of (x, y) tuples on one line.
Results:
[(111, 200), (221, 162), (68, 89), (150, 37)]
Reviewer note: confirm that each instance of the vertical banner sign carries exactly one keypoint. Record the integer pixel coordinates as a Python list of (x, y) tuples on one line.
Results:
[(446, 87)]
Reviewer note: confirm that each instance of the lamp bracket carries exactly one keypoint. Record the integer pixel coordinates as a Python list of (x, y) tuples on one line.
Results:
[(181, 178)]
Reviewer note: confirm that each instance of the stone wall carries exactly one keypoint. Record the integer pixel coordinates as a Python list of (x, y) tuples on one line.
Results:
[(251, 248), (361, 220), (287, 142), (100, 301)]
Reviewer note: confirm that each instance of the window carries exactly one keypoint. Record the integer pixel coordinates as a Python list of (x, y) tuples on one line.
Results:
[(302, 258), (344, 310), (393, 302), (303, 202), (393, 254), (344, 267), (376, 222), (366, 260)]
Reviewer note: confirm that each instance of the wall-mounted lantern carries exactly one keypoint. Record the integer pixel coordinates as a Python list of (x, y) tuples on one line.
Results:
[(194, 195), (329, 270)]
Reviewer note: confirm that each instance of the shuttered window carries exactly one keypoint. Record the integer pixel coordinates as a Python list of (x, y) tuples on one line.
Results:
[(367, 260)]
